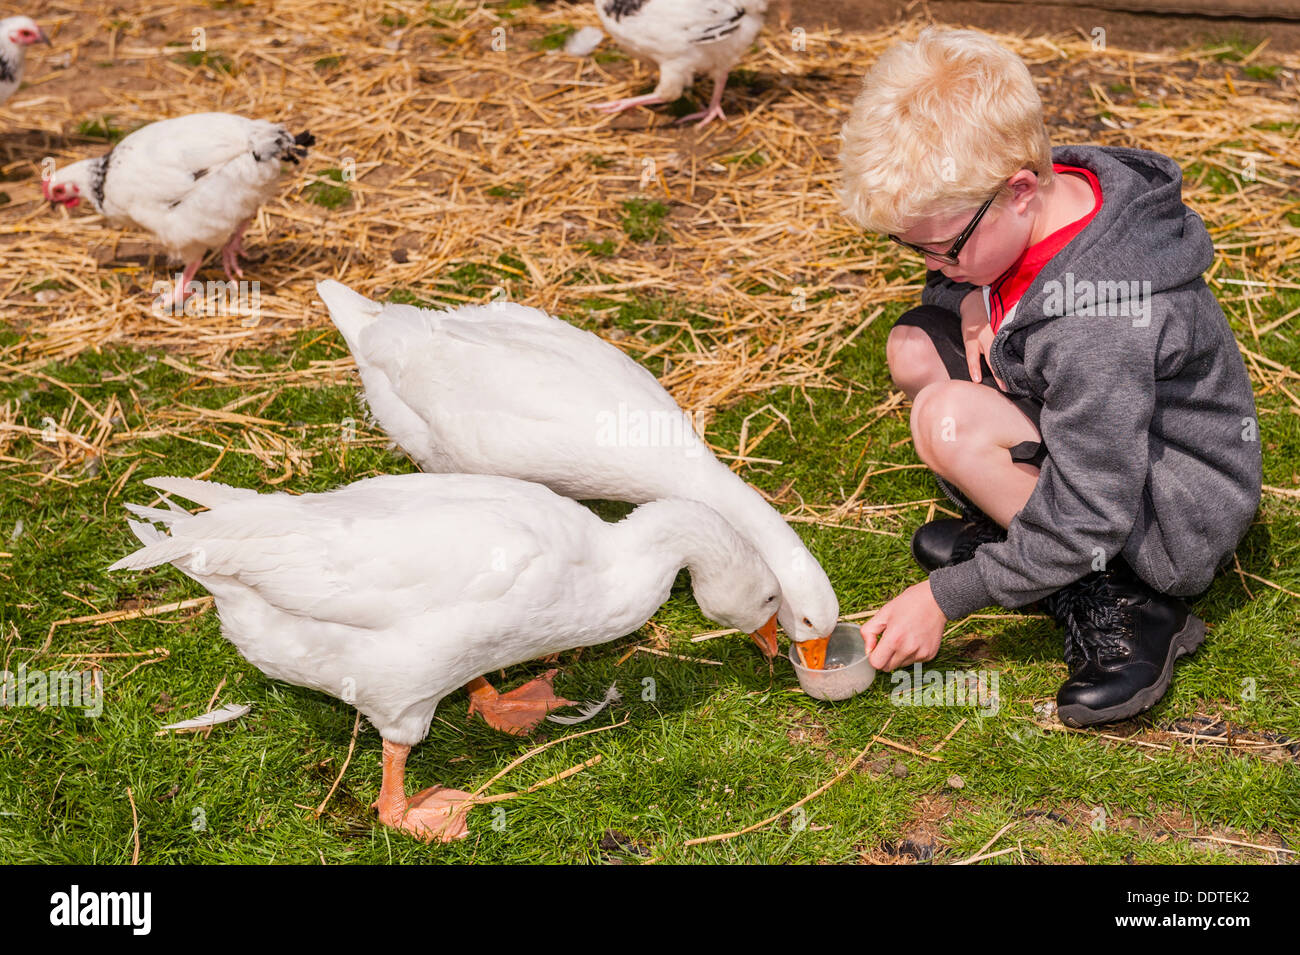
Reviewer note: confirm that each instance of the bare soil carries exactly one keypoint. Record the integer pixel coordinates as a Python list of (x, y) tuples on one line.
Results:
[(1139, 31)]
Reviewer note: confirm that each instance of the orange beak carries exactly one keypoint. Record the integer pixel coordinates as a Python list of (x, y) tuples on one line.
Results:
[(813, 652), (765, 637)]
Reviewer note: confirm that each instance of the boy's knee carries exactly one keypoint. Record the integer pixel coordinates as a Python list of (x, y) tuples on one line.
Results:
[(938, 426), (912, 358)]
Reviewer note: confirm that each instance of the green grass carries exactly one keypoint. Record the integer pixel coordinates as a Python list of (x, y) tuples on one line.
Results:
[(1262, 72), (713, 749), (510, 190), (554, 38), (600, 248), (1232, 47), (211, 59), (100, 128), (643, 220), (328, 194)]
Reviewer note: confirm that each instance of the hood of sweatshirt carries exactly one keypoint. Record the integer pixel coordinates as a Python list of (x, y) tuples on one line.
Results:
[(1142, 241)]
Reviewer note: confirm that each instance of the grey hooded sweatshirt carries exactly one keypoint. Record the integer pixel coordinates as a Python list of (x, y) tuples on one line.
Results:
[(1148, 415)]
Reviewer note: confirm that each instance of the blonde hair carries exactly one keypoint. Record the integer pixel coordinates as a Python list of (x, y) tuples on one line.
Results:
[(941, 123)]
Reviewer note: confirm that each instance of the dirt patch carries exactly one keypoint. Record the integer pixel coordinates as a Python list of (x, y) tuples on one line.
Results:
[(807, 732), (1197, 735), (1160, 828), (1139, 31), (922, 837)]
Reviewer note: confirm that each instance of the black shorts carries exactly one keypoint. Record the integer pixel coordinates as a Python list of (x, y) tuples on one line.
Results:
[(944, 329)]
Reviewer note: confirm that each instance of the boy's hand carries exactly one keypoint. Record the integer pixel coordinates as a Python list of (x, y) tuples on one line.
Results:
[(912, 624), (976, 335)]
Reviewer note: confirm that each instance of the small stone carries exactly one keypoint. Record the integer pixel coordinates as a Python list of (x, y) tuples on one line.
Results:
[(899, 770), (956, 782), (877, 767)]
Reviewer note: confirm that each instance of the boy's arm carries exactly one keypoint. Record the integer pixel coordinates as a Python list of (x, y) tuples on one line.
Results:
[(944, 292), (1095, 422)]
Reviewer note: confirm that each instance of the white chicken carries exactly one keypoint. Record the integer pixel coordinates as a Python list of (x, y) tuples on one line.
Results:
[(683, 38), (194, 182), (395, 591), (16, 35)]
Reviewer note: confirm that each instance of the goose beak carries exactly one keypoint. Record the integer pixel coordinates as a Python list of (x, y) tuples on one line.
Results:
[(44, 37), (765, 637), (813, 652)]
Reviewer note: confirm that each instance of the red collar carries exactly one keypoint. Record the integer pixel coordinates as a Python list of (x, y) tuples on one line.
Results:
[(1008, 287)]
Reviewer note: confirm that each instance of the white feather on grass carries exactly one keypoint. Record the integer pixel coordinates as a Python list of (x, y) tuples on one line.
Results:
[(587, 710), (231, 711), (584, 41)]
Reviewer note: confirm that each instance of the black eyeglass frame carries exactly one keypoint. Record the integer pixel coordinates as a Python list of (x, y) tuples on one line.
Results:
[(950, 257)]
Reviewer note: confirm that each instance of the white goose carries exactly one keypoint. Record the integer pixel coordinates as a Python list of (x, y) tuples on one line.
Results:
[(392, 592), (506, 389)]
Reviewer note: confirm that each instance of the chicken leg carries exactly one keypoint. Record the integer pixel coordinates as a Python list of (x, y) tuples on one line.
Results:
[(234, 248), (182, 284), (618, 105), (433, 813), (518, 711), (714, 111)]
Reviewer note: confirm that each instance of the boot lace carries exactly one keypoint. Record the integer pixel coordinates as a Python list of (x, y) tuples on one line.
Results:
[(1098, 623), (985, 531)]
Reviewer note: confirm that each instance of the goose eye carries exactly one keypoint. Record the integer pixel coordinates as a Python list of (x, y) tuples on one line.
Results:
[(807, 622)]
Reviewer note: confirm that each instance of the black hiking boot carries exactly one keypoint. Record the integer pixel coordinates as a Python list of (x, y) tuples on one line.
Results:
[(950, 541), (1121, 641)]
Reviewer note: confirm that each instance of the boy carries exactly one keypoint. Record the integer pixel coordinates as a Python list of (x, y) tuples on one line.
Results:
[(1076, 388)]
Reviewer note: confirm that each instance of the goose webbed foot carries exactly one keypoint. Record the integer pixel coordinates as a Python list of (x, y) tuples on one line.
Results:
[(433, 813), (518, 711)]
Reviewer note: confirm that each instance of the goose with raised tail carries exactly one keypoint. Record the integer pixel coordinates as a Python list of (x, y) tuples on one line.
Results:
[(506, 389), (392, 592)]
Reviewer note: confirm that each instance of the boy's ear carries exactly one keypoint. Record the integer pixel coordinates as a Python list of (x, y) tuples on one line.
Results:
[(1023, 186)]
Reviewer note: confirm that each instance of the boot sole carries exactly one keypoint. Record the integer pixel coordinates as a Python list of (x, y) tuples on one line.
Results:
[(1184, 642)]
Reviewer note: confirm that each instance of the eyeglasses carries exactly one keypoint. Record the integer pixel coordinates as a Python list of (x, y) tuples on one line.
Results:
[(950, 257)]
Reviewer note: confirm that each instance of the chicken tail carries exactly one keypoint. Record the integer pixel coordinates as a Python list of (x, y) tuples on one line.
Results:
[(275, 142), (299, 148)]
